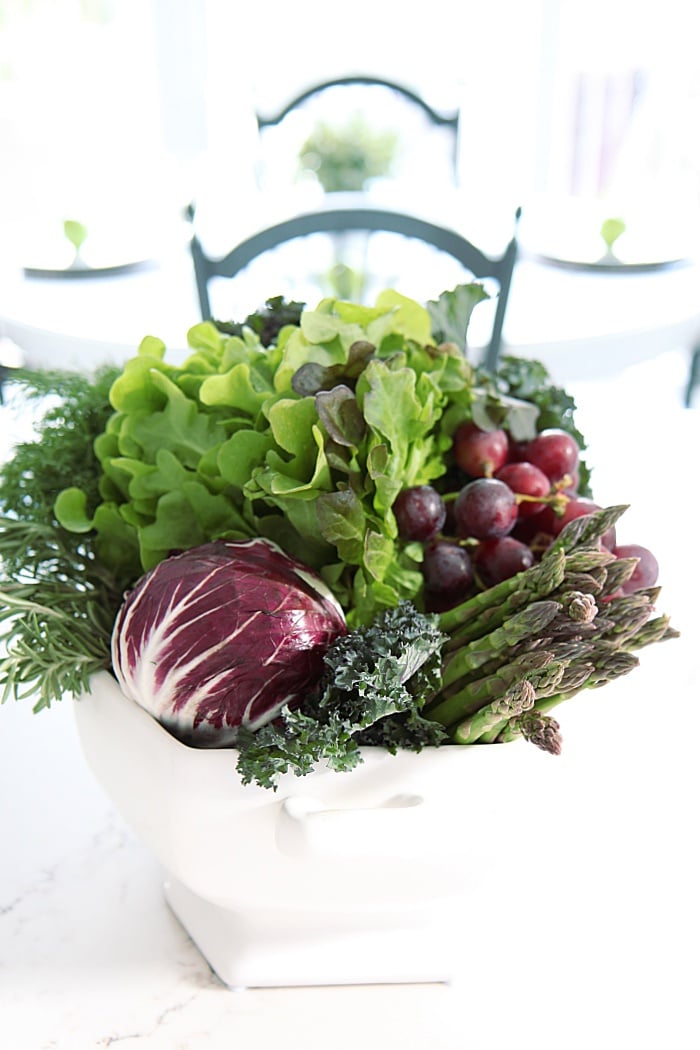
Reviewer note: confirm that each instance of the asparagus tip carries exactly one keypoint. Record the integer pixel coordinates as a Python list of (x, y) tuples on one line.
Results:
[(540, 730), (581, 607)]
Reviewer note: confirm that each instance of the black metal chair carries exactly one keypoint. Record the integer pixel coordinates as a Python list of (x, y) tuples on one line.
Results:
[(448, 120), (361, 217)]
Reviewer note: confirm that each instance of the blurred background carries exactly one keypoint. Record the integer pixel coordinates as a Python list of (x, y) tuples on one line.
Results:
[(116, 116), (117, 113)]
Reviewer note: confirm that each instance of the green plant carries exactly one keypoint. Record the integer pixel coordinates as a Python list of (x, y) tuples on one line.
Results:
[(611, 230), (75, 232), (344, 158)]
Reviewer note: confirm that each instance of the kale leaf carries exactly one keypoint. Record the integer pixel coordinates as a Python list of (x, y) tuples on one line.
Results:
[(266, 322), (530, 380), (375, 681)]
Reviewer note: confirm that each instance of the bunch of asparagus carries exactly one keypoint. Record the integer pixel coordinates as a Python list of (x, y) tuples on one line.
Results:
[(519, 649)]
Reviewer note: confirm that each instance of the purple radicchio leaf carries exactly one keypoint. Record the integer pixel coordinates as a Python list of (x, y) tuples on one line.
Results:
[(223, 635)]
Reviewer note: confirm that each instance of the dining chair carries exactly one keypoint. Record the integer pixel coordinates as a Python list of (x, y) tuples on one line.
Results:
[(449, 120), (693, 380), (336, 219)]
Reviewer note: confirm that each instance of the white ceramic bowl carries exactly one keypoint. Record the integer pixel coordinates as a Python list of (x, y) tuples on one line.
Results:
[(285, 887)]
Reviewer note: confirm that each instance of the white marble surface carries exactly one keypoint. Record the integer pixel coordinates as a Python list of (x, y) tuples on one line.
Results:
[(588, 939)]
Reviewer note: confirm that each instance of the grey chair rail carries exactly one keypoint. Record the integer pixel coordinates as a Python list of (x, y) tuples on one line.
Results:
[(334, 219)]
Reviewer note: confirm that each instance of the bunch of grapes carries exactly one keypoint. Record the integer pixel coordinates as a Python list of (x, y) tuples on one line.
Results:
[(509, 503)]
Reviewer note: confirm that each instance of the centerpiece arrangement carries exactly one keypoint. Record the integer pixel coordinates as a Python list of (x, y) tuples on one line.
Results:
[(323, 538)]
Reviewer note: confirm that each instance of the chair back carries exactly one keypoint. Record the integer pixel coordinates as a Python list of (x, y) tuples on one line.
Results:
[(334, 220), (448, 120)]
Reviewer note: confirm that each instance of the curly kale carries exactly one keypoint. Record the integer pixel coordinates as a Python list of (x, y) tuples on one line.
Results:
[(530, 380), (266, 322), (375, 681)]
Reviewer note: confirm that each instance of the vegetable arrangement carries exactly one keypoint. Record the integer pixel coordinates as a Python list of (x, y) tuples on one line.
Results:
[(323, 531)]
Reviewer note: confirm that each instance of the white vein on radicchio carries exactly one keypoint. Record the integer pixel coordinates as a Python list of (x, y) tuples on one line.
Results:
[(221, 636)]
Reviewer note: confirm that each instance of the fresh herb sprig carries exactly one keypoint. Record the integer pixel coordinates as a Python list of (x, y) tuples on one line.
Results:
[(73, 410), (55, 645), (57, 600)]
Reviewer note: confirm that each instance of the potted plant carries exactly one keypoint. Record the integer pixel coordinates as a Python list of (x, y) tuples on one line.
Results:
[(311, 589)]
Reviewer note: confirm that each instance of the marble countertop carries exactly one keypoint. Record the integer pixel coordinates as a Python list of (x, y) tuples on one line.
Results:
[(589, 942)]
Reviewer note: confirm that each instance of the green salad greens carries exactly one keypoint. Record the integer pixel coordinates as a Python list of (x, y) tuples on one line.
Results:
[(306, 442), (303, 426)]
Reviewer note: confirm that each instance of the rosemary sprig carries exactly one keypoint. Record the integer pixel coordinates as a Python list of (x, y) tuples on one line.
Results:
[(56, 614), (52, 646)]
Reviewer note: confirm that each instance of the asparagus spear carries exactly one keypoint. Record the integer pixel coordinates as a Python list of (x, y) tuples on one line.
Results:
[(539, 729), (656, 629), (617, 573), (588, 529), (529, 621), (470, 695), (574, 677), (491, 608), (547, 633), (587, 559), (592, 582), (608, 665), (516, 700), (508, 596)]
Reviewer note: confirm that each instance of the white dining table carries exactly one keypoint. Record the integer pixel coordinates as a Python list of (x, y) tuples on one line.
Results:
[(581, 323), (586, 938)]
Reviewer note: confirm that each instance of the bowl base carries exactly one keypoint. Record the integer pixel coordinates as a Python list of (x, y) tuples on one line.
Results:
[(283, 949)]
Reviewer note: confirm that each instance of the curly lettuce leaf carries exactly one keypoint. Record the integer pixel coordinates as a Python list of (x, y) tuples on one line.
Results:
[(451, 312)]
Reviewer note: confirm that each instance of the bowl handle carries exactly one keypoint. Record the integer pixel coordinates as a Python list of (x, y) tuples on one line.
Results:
[(398, 827)]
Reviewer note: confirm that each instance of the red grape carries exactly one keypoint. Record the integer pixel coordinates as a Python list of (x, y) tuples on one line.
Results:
[(532, 532), (420, 512), (646, 572), (485, 509), (479, 453), (554, 451), (448, 574), (497, 560), (528, 480)]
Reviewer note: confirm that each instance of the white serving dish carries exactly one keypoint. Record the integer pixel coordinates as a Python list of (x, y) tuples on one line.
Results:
[(335, 878)]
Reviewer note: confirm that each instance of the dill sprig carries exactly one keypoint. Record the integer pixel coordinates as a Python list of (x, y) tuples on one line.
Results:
[(74, 410), (57, 602)]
